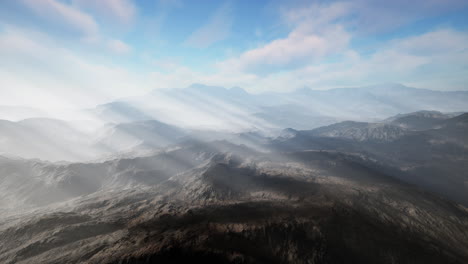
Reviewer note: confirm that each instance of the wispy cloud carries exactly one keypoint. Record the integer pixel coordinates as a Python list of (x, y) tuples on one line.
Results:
[(56, 48), (37, 71), (122, 11), (367, 16), (63, 14), (381, 16), (64, 21), (314, 36), (436, 60), (216, 29), (295, 50), (118, 46)]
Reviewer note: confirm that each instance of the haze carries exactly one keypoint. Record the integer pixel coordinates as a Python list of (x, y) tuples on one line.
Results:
[(177, 131), (77, 54)]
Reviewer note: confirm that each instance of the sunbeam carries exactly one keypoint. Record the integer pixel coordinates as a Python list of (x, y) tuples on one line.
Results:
[(177, 131)]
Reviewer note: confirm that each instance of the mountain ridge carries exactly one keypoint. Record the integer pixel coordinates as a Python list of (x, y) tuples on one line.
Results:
[(216, 211)]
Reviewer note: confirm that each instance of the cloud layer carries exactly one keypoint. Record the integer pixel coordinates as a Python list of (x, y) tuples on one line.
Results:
[(81, 52)]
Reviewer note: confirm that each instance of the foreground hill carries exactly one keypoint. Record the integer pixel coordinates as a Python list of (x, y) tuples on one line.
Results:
[(227, 204)]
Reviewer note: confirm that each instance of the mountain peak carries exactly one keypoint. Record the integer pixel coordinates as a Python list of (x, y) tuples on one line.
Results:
[(387, 86), (218, 90), (203, 86), (237, 90)]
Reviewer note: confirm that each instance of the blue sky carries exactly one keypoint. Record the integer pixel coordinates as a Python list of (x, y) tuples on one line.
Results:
[(85, 52)]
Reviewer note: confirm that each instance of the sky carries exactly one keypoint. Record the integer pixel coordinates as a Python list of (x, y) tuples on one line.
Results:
[(61, 53)]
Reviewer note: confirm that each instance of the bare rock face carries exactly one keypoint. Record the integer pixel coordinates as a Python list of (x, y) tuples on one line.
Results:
[(421, 120), (430, 151), (241, 206), (361, 131)]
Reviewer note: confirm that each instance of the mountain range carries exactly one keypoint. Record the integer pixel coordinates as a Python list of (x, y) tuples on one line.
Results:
[(435, 158), (300, 109), (207, 107), (213, 175), (222, 203)]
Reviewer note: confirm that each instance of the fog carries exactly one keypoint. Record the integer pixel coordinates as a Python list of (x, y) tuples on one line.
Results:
[(175, 131)]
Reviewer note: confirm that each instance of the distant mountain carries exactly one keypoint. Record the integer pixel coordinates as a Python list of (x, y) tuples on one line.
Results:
[(360, 131), (420, 120), (49, 139), (453, 129), (436, 158), (460, 120), (16, 113), (212, 175), (218, 107), (57, 140), (119, 112), (378, 101), (141, 134), (235, 95), (290, 115), (27, 183)]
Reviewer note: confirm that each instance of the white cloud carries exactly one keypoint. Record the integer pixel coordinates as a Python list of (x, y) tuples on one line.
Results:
[(40, 71), (436, 60), (55, 11), (216, 29), (295, 50), (314, 17), (433, 43), (314, 36), (317, 54), (368, 16), (422, 59), (118, 46), (381, 16), (67, 23), (49, 75), (120, 10)]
